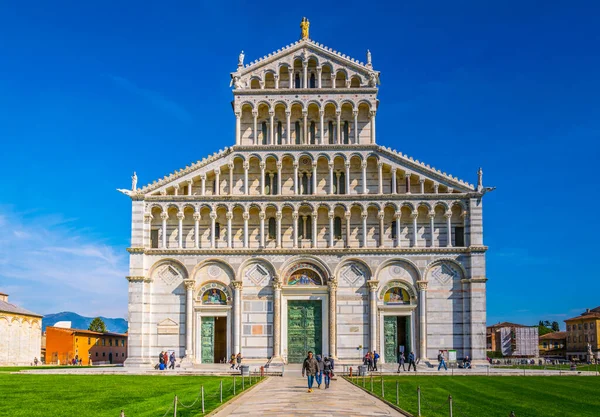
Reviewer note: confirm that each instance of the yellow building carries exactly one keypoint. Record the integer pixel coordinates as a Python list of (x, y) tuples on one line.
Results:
[(62, 345), (553, 345), (582, 331)]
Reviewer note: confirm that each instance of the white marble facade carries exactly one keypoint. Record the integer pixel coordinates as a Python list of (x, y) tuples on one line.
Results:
[(306, 188)]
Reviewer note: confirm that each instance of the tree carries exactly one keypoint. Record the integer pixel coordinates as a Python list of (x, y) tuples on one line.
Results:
[(555, 326), (97, 325)]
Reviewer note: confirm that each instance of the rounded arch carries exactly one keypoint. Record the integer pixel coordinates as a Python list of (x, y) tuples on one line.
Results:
[(425, 204), (441, 204), (344, 271), (332, 103), (280, 103), (224, 275), (442, 261), (314, 102), (294, 261), (257, 272), (299, 103), (247, 103), (408, 265), (460, 204), (313, 57), (398, 283), (409, 205), (206, 293), (263, 103), (364, 103), (174, 263)]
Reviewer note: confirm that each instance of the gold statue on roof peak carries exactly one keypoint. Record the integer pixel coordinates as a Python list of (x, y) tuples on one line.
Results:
[(304, 25)]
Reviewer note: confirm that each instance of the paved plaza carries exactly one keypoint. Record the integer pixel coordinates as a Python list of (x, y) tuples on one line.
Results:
[(288, 396)]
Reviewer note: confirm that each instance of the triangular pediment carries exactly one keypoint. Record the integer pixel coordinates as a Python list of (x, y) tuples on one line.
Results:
[(305, 50)]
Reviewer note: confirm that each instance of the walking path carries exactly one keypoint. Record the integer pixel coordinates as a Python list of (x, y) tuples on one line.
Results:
[(288, 396)]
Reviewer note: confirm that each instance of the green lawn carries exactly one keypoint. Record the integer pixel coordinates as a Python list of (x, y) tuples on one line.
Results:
[(582, 367), (105, 395), (21, 368), (475, 396)]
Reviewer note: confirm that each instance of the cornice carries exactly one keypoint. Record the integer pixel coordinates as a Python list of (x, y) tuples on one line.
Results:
[(135, 250), (315, 251), (286, 199), (311, 91)]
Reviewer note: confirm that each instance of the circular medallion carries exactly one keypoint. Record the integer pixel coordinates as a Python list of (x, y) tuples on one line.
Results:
[(214, 271)]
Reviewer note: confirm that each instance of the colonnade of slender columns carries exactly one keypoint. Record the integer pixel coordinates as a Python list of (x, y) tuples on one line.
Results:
[(373, 284), (295, 216), (422, 285)]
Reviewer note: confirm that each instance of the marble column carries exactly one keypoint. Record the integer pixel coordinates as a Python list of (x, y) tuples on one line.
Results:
[(246, 216), (332, 80), (331, 186), (314, 178), (295, 226), (231, 166), (364, 215), (319, 78), (305, 75), (146, 230), (272, 127), (398, 228), (176, 189), (355, 114), (190, 183), (237, 315), (255, 127), (331, 231), (276, 77), (189, 317), (295, 178), (381, 216), (278, 216), (394, 179), (292, 80), (197, 218), (246, 169), (262, 216), (422, 285), (422, 183), (373, 127), (229, 216), (407, 178), (363, 165), (180, 217), (431, 216), (203, 179), (321, 126), (262, 177), (238, 139), (164, 216), (213, 221), (217, 190), (380, 176), (348, 215), (347, 177), (332, 318), (288, 136), (414, 216), (373, 284), (338, 115), (304, 127), (276, 318), (315, 217), (448, 216), (436, 188), (279, 168)]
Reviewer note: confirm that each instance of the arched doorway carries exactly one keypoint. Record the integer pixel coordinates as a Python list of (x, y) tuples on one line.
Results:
[(305, 318)]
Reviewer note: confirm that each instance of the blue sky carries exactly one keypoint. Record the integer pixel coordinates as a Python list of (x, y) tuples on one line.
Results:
[(91, 92)]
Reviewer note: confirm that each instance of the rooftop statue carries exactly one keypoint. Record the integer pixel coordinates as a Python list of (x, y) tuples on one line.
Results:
[(368, 57), (134, 182), (241, 59), (304, 25)]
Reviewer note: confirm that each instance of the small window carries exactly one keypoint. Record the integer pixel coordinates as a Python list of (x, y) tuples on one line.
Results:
[(122, 342), (103, 342), (217, 231), (346, 133), (394, 230), (274, 185), (89, 340), (103, 353), (459, 236), (568, 338), (279, 133), (579, 326), (96, 354), (297, 133), (568, 327), (264, 132), (331, 133), (297, 81), (110, 342), (586, 338), (308, 231), (545, 345), (154, 238), (337, 227), (272, 227), (585, 326), (313, 133), (313, 83), (342, 183), (96, 342), (267, 184)]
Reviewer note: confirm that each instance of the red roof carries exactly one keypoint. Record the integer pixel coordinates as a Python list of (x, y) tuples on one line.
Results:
[(554, 336), (87, 332)]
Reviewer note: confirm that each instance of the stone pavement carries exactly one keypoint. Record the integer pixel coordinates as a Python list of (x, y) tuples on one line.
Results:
[(288, 396)]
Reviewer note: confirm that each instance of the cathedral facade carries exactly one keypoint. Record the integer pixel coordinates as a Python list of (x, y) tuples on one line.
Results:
[(306, 234)]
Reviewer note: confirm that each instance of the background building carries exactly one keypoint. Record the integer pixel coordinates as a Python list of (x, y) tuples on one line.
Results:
[(553, 345), (582, 335), (306, 234), (62, 345), (20, 334), (511, 339)]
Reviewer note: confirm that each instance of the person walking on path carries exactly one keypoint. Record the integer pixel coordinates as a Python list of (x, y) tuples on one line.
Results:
[(411, 361), (172, 361), (310, 368), (327, 370), (238, 360), (442, 361), (232, 361), (166, 359), (375, 359), (401, 361), (161, 360), (319, 375)]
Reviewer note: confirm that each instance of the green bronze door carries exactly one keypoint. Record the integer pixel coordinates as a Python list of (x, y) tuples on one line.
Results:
[(390, 334), (304, 329), (208, 339)]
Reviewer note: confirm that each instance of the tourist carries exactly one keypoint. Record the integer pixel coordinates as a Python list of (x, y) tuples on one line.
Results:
[(232, 361), (366, 360), (375, 359), (370, 361), (172, 360), (411, 361), (442, 361), (238, 360), (310, 368), (161, 360), (35, 361), (327, 370), (467, 362), (319, 375), (401, 360), (165, 359)]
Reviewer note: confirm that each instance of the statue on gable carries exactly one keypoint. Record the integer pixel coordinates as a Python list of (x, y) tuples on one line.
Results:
[(304, 25), (134, 182), (479, 180), (372, 80), (368, 57), (241, 59), (237, 82)]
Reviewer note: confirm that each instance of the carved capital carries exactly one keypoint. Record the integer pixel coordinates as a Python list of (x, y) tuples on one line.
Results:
[(372, 113), (431, 215), (148, 217), (190, 182), (279, 165), (203, 177), (231, 165), (180, 215), (363, 164), (380, 165), (355, 113), (278, 215), (246, 166), (271, 113), (197, 216), (164, 215), (163, 192), (331, 215), (347, 215), (295, 215), (398, 215), (255, 113), (288, 114), (229, 215), (262, 166), (176, 186), (295, 164), (277, 284), (189, 284), (422, 285), (246, 216), (364, 215), (414, 214), (213, 215), (347, 164), (262, 215), (333, 285), (315, 214), (236, 285), (447, 214), (373, 284), (381, 215)]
